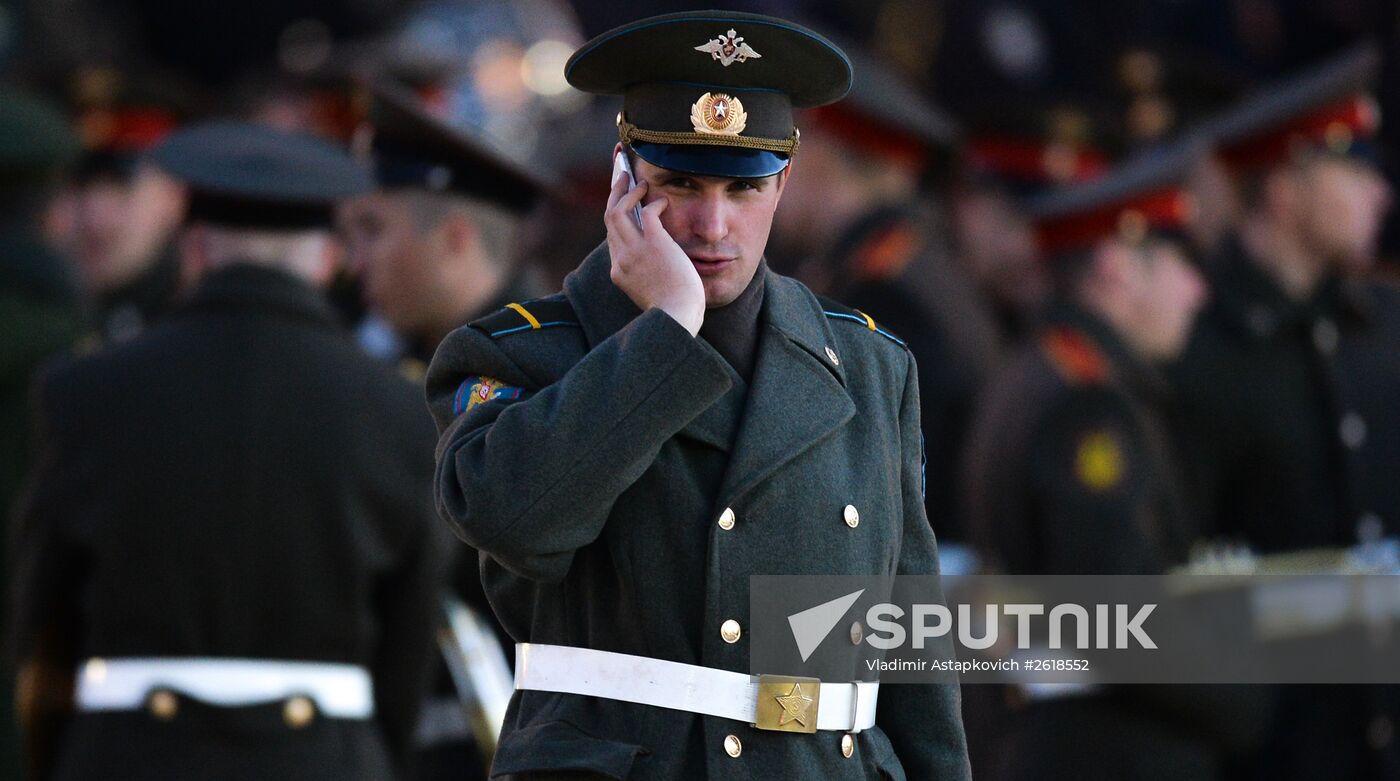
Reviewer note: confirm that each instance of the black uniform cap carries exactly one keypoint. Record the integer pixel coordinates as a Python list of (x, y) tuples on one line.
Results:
[(1144, 195), (885, 110), (1327, 108), (246, 175), (121, 113), (414, 149), (712, 92)]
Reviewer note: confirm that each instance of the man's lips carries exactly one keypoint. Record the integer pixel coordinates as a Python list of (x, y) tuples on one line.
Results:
[(710, 264)]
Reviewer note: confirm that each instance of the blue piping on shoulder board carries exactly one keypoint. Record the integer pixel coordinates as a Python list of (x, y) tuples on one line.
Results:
[(528, 327), (854, 319)]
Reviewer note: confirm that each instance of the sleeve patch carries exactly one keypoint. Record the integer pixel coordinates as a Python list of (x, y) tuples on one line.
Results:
[(479, 390), (1098, 461)]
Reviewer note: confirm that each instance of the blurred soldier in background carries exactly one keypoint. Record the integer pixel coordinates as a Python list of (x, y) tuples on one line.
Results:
[(39, 313), (1072, 471), (1289, 387), (237, 579), (436, 247), (125, 211), (862, 220), (1012, 153)]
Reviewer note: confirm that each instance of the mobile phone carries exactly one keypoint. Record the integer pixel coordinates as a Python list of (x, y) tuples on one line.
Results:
[(620, 164)]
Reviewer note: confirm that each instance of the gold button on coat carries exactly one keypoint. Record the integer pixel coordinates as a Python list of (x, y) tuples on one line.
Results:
[(726, 519), (163, 704), (852, 516), (729, 630), (298, 712), (732, 746), (848, 745)]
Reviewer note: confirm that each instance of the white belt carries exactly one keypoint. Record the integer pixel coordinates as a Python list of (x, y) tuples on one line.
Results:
[(848, 707), (339, 690)]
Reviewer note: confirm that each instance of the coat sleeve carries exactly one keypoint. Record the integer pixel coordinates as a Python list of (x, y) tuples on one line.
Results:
[(923, 721), (48, 566), (531, 479), (408, 601), (1090, 483)]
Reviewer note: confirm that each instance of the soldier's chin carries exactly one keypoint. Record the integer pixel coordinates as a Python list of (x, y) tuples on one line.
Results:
[(718, 292)]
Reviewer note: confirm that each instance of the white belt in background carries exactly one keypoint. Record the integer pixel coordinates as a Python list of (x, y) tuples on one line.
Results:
[(774, 702), (339, 690)]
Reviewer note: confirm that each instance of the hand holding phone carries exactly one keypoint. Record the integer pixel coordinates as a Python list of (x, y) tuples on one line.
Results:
[(623, 167), (647, 264)]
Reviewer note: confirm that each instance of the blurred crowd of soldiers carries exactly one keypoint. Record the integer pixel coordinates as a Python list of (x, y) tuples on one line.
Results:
[(1150, 321)]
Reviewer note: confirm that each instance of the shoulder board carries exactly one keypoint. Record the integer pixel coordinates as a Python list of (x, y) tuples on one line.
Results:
[(551, 312), (1074, 356), (839, 311)]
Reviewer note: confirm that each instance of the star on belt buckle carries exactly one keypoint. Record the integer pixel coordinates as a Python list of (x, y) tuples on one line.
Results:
[(787, 703)]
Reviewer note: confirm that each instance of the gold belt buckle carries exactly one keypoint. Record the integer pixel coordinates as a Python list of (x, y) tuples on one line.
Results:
[(788, 703)]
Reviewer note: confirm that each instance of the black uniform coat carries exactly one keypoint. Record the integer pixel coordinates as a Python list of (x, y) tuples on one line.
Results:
[(239, 481), (1290, 414), (1290, 410), (1071, 472), (593, 496)]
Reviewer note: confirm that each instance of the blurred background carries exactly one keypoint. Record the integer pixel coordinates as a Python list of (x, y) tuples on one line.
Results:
[(921, 199)]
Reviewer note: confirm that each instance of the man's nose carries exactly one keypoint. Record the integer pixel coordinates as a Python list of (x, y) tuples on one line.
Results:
[(710, 219)]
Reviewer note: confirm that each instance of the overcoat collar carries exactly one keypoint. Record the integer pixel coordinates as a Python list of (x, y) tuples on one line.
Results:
[(798, 394), (254, 287)]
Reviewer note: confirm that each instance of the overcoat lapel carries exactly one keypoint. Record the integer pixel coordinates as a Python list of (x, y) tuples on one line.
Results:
[(798, 395)]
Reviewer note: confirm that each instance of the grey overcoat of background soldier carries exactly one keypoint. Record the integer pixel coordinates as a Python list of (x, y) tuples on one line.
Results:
[(623, 478)]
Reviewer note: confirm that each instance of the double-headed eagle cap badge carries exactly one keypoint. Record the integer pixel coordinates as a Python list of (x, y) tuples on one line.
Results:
[(729, 49)]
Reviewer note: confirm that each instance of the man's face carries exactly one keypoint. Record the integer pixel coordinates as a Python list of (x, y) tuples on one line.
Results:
[(1167, 292), (997, 245), (120, 227), (1343, 203), (721, 223), (394, 258)]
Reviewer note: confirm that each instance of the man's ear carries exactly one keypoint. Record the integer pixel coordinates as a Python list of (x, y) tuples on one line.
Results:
[(193, 245), (331, 256), (783, 176), (194, 248)]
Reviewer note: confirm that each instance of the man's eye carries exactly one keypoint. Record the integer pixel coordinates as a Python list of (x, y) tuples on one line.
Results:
[(680, 181), (744, 184)]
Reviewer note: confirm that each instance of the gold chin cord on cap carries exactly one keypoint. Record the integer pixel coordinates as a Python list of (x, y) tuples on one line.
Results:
[(629, 132)]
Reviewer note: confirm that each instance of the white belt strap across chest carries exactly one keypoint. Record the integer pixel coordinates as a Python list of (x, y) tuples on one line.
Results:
[(847, 707), (339, 690)]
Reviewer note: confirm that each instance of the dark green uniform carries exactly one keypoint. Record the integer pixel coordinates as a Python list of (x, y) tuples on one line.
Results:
[(588, 455)]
